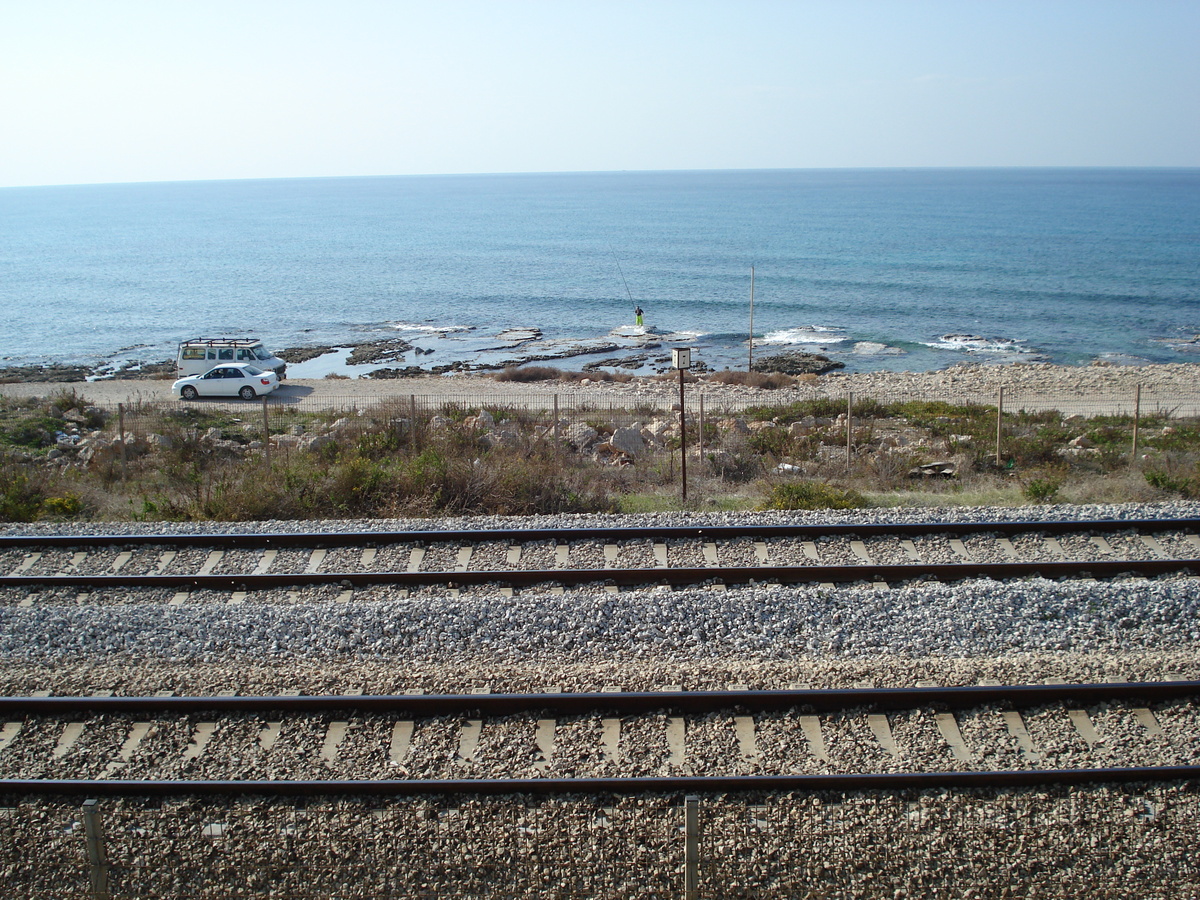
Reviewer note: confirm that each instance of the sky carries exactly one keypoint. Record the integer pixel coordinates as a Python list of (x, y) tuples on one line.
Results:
[(96, 91)]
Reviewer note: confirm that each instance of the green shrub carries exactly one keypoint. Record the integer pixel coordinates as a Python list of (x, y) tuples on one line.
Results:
[(1042, 490), (813, 495)]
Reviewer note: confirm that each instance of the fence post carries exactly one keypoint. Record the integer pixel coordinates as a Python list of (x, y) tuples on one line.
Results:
[(999, 416), (266, 433), (94, 831), (1137, 418), (691, 848), (849, 416), (121, 433), (700, 439), (412, 426)]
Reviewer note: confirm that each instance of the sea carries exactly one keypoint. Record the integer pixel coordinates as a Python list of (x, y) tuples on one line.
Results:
[(879, 269)]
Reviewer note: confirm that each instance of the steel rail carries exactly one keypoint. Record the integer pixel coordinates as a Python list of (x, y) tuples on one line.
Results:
[(888, 781), (676, 576), (1022, 696), (694, 532)]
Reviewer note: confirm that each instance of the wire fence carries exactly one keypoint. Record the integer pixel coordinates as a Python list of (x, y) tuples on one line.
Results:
[(282, 424), (1103, 842)]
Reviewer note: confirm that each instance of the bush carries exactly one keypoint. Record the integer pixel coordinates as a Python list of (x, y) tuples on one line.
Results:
[(528, 373), (813, 495), (1042, 490)]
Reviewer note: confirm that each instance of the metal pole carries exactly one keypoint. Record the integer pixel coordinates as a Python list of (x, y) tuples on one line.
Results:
[(691, 848), (121, 430), (1137, 418), (999, 416), (266, 434), (700, 432), (750, 362), (849, 417), (682, 440), (94, 832)]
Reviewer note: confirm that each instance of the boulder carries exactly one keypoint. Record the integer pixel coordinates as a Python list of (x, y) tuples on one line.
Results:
[(628, 441)]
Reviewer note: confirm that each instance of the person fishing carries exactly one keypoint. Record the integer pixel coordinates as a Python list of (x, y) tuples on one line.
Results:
[(637, 315)]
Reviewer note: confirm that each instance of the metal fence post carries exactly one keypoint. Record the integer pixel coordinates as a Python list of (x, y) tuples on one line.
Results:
[(412, 427), (1137, 418), (999, 416), (849, 416), (121, 431), (266, 433), (691, 848), (94, 831)]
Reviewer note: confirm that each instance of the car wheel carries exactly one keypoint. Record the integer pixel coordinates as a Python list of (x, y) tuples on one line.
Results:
[(247, 393), (187, 392)]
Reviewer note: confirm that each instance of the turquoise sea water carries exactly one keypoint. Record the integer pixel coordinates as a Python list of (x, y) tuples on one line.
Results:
[(882, 269)]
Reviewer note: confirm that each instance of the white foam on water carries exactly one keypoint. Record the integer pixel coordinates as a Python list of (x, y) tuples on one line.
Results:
[(973, 343), (805, 334)]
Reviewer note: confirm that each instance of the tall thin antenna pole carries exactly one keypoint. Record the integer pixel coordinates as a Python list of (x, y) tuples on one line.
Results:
[(750, 362)]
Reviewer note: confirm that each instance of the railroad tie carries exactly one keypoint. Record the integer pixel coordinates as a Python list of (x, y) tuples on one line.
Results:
[(660, 555), (948, 727), (859, 549), (335, 734), (514, 555), (1007, 548), (880, 727), (1054, 547), (402, 733), (1151, 543), (910, 550), (137, 733), (676, 740), (1084, 726), (269, 736), (743, 727), (119, 563), (415, 557), (165, 560), (610, 554), (368, 556), (562, 555), (1144, 716), (760, 552), (266, 561), (8, 734), (214, 558), (1101, 544), (543, 739), (200, 738), (315, 560), (468, 740), (710, 554), (27, 562), (71, 733), (610, 739), (959, 548), (464, 557)]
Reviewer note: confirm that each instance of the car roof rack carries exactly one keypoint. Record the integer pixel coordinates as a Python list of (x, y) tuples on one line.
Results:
[(233, 342)]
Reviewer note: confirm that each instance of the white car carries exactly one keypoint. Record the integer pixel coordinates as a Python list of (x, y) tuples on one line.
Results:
[(243, 381)]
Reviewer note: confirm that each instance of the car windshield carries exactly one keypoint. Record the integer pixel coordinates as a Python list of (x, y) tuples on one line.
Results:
[(261, 353), (252, 370)]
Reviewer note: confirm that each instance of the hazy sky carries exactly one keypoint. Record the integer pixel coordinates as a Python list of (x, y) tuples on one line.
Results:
[(154, 90)]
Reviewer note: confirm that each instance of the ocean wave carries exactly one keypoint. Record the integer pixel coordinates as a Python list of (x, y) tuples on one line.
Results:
[(432, 329), (973, 343), (805, 334)]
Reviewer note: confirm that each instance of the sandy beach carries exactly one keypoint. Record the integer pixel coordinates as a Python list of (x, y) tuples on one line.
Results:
[(1176, 383)]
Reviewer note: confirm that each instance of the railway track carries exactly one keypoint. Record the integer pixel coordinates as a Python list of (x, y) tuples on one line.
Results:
[(994, 736), (616, 557)]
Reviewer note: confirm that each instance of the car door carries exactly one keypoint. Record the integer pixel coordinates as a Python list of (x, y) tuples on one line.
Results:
[(221, 382)]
